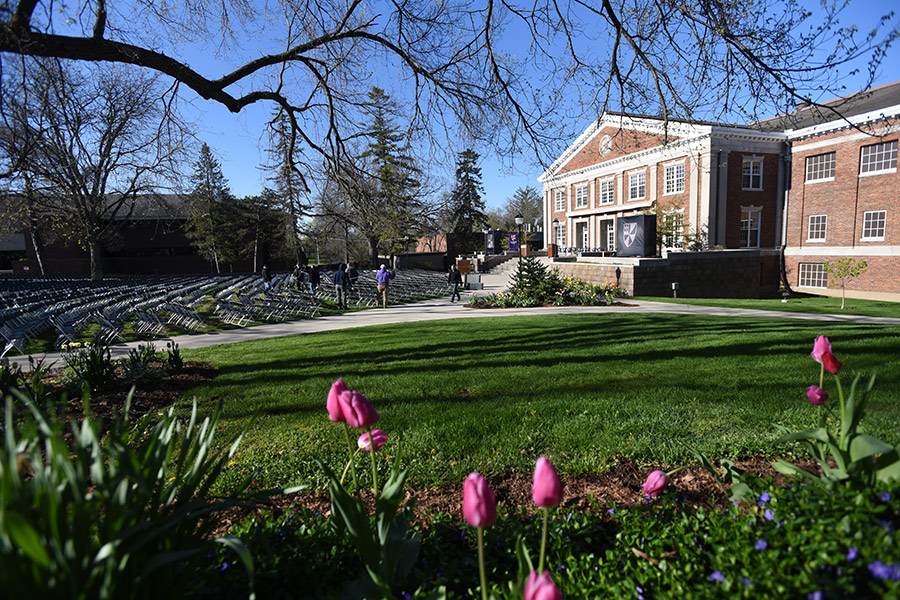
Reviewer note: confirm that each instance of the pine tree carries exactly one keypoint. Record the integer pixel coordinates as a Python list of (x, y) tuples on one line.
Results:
[(211, 211), (466, 205)]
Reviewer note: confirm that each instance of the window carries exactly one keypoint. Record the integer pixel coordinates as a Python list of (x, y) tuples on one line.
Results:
[(607, 192), (608, 234), (873, 224), (675, 178), (879, 158), (820, 167), (812, 275), (560, 234), (817, 226), (581, 196), (673, 229), (560, 200), (752, 173), (637, 185), (750, 228)]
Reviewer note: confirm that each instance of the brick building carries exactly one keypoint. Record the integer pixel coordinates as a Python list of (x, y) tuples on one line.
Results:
[(818, 184), (844, 199), (712, 185)]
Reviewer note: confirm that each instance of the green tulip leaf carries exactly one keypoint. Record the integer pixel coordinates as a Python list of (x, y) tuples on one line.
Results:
[(865, 446), (26, 538)]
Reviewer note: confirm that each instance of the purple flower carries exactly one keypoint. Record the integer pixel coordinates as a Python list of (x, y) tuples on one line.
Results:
[(716, 577), (612, 511), (852, 553), (764, 498), (816, 595), (761, 544), (747, 582), (768, 515), (879, 570), (885, 496), (640, 592), (225, 565)]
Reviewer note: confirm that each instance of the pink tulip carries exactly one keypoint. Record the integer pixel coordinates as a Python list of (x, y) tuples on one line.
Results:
[(378, 438), (541, 587), (479, 504), (547, 488), (831, 364), (820, 347), (656, 482), (333, 404), (816, 395), (357, 410)]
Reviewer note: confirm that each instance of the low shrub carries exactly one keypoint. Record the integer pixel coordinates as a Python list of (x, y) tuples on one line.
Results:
[(139, 367), (89, 365)]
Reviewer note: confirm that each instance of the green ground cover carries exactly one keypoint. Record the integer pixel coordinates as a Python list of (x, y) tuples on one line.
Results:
[(799, 304), (493, 394)]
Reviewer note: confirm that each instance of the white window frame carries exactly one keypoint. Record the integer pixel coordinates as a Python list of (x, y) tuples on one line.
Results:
[(559, 234), (581, 196), (607, 192), (751, 162), (610, 244), (747, 216), (877, 159), (675, 240), (874, 221), (559, 200), (812, 275), (817, 228), (674, 177), (820, 168), (637, 183)]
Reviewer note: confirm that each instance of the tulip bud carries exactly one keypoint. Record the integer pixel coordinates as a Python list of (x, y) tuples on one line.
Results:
[(479, 504), (831, 364), (378, 438), (547, 488), (333, 404), (816, 395), (820, 347), (541, 587), (357, 410), (656, 482)]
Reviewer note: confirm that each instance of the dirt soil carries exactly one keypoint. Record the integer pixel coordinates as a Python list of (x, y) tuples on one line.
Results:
[(620, 483)]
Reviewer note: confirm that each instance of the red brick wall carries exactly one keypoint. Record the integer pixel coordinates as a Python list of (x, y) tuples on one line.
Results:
[(880, 276), (623, 142), (766, 198)]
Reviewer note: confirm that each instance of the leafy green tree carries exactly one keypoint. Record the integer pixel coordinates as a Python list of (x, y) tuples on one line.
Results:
[(844, 270), (466, 204), (212, 211)]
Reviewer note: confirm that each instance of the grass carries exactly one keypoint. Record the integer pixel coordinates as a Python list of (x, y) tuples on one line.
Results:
[(797, 304), (493, 394)]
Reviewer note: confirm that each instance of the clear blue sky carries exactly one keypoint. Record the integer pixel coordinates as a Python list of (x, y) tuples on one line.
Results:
[(236, 139)]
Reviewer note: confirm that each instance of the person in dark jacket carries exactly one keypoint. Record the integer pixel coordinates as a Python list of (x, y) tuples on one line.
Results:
[(314, 279), (267, 278), (455, 279), (341, 283), (353, 275)]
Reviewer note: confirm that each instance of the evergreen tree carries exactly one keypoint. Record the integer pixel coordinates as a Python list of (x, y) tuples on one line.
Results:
[(466, 205), (212, 211), (290, 185)]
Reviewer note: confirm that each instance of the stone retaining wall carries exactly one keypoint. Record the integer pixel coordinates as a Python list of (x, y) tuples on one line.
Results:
[(715, 274)]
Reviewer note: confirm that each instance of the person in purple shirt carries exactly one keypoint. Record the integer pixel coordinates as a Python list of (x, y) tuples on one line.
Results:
[(383, 278)]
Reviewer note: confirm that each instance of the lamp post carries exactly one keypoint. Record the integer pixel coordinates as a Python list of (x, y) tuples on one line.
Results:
[(519, 220), (553, 235)]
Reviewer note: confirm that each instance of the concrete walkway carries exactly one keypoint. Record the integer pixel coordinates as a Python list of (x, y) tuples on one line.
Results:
[(441, 308)]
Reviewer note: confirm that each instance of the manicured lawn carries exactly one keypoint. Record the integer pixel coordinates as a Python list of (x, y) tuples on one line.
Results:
[(493, 394), (801, 304)]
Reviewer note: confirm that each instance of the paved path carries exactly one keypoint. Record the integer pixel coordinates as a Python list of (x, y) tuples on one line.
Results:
[(441, 308)]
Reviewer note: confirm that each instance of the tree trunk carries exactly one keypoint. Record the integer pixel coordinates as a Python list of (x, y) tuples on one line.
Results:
[(842, 296), (373, 251), (96, 257), (37, 248), (216, 260)]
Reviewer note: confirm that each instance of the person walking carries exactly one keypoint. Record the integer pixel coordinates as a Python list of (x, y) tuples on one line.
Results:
[(455, 279), (383, 280), (353, 275), (314, 279), (341, 283), (297, 277), (267, 278)]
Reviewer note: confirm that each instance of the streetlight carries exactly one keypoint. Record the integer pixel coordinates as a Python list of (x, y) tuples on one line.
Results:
[(519, 220)]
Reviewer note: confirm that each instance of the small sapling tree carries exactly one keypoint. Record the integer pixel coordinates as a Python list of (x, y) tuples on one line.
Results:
[(844, 270)]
